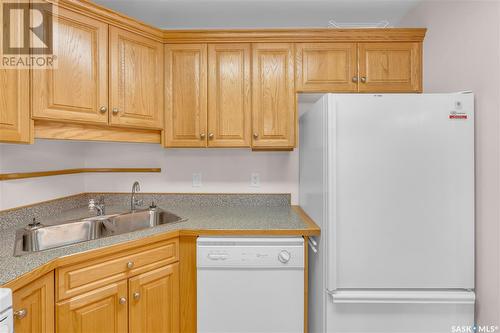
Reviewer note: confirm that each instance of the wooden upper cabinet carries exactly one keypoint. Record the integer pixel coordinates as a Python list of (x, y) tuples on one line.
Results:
[(390, 67), (154, 301), (98, 311), (229, 95), (136, 80), (77, 90), (34, 306), (326, 67), (273, 95), (14, 106), (186, 95)]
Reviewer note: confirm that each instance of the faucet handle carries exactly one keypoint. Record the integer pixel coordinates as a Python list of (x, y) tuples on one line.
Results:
[(139, 202)]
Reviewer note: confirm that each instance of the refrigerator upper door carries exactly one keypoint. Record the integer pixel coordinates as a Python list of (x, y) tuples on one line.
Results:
[(401, 198)]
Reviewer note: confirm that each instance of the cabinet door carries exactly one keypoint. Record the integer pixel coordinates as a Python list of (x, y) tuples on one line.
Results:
[(154, 300), (326, 67), (98, 311), (229, 103), (14, 106), (136, 87), (34, 306), (390, 67), (186, 95), (273, 96), (77, 90)]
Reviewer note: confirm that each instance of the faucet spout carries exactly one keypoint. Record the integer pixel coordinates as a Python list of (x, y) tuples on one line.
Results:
[(136, 187)]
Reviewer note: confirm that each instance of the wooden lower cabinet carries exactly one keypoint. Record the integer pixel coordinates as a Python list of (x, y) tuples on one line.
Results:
[(34, 306), (154, 301), (101, 310)]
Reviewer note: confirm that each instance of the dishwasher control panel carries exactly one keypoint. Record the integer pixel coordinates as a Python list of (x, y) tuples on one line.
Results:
[(250, 252)]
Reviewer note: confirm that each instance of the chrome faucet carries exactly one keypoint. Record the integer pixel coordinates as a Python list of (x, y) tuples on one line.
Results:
[(98, 207), (133, 201)]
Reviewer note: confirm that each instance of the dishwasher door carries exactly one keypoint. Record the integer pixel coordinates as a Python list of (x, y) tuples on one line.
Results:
[(250, 285)]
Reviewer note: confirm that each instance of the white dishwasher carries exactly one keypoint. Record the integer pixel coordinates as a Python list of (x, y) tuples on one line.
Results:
[(250, 284)]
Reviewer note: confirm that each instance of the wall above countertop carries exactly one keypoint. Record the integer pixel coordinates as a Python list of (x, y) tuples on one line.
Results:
[(222, 170)]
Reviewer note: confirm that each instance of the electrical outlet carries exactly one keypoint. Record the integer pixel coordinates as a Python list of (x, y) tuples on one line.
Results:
[(196, 179), (254, 179)]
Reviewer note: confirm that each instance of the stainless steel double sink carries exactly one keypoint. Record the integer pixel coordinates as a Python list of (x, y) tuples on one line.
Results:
[(43, 237)]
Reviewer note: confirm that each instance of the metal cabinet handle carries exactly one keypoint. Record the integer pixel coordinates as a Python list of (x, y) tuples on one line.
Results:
[(130, 265), (20, 314), (255, 135), (115, 111), (210, 135), (122, 300), (103, 109), (355, 79), (137, 295), (202, 135), (363, 79)]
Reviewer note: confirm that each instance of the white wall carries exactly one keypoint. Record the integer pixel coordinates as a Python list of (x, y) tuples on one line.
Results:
[(222, 170), (44, 155), (462, 52)]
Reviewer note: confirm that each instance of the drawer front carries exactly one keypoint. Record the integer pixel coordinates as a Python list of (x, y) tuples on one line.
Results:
[(85, 276)]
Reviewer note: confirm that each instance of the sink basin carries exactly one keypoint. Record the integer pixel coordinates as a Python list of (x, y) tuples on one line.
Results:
[(77, 231)]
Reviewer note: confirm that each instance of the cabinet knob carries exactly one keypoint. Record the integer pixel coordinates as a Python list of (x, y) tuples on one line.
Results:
[(103, 109), (363, 79), (122, 300), (115, 111), (20, 314), (255, 135), (355, 79), (137, 295), (130, 265), (202, 135), (210, 135)]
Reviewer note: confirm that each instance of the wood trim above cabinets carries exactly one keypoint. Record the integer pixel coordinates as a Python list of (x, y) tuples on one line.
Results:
[(295, 35), (186, 95)]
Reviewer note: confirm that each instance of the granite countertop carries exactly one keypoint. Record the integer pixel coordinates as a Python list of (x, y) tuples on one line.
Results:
[(210, 213)]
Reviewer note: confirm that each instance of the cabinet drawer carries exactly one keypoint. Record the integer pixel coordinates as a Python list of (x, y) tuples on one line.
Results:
[(84, 276)]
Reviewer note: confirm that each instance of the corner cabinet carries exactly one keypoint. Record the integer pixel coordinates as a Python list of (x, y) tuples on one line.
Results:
[(77, 90), (34, 306), (273, 95), (136, 80)]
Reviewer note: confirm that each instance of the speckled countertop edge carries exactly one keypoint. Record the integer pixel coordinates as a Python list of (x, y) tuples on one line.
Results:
[(203, 212)]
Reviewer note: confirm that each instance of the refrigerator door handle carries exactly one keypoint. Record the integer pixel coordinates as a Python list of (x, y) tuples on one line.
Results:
[(312, 246), (402, 296)]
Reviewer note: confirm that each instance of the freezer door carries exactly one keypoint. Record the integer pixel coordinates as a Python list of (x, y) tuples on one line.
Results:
[(401, 191)]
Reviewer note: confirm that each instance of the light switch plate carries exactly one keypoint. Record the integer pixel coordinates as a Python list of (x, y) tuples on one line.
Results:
[(197, 179)]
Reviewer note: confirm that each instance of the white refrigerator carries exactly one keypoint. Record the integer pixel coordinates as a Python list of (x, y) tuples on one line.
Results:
[(390, 180)]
